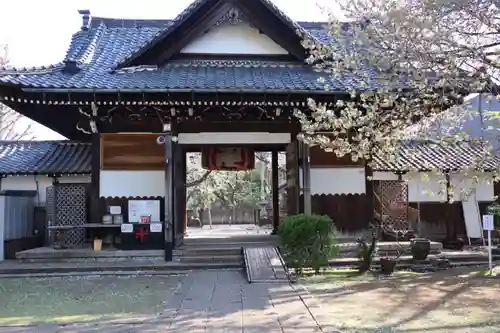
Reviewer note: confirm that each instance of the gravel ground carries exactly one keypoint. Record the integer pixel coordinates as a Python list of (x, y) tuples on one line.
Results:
[(28, 301), (448, 301)]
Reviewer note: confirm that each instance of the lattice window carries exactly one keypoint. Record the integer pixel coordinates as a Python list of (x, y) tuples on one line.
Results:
[(392, 203), (71, 209)]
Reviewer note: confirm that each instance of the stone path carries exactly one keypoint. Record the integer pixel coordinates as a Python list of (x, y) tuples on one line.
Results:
[(227, 231), (215, 301)]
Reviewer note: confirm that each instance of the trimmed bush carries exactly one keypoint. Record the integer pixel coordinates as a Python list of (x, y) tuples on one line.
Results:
[(307, 241)]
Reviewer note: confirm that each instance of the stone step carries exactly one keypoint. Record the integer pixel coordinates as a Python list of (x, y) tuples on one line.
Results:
[(354, 254), (387, 247), (90, 260), (407, 261), (232, 240), (170, 272), (209, 258), (132, 268), (48, 253), (232, 244), (202, 250)]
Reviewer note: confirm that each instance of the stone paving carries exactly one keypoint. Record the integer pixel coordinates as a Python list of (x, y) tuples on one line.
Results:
[(217, 301)]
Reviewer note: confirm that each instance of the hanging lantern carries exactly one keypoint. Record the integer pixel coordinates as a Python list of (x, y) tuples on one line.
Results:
[(228, 158)]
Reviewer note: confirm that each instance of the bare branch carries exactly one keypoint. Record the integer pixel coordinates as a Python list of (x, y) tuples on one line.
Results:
[(10, 128)]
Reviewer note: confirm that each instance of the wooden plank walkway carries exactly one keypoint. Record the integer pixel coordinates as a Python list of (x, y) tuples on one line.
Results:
[(264, 264)]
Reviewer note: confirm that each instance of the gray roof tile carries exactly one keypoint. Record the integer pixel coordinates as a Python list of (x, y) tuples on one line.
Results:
[(66, 157), (108, 42), (428, 155), (44, 157)]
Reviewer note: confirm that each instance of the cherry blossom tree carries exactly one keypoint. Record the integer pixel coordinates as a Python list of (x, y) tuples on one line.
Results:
[(407, 62), (9, 119)]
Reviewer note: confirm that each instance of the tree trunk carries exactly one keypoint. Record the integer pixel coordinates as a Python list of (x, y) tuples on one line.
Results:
[(209, 211), (233, 215)]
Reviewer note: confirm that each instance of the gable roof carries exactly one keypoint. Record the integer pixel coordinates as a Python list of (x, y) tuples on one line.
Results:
[(429, 155), (200, 15), (44, 158), (92, 60)]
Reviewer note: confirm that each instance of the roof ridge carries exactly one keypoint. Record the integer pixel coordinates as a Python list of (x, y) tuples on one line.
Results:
[(98, 20), (44, 69), (4, 142), (163, 32), (87, 49)]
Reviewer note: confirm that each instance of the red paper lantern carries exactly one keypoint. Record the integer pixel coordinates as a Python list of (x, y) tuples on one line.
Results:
[(228, 158)]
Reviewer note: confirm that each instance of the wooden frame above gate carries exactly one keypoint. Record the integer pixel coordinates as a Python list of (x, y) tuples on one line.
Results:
[(131, 152)]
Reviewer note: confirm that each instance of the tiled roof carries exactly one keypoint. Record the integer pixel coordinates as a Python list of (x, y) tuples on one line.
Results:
[(94, 55), (66, 157), (427, 155), (44, 157)]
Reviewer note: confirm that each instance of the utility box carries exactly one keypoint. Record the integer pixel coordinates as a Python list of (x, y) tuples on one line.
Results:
[(16, 217)]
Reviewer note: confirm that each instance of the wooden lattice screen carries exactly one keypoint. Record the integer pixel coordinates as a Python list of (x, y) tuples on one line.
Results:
[(392, 204)]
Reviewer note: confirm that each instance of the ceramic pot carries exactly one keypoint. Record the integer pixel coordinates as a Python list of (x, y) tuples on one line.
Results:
[(388, 265), (420, 248)]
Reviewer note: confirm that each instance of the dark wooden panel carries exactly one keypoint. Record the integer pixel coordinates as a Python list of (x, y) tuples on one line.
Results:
[(449, 214), (12, 246), (131, 152), (321, 158), (346, 211)]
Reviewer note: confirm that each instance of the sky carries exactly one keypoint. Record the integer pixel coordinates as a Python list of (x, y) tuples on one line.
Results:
[(38, 32)]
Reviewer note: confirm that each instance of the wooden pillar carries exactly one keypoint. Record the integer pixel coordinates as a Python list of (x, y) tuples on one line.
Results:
[(306, 177), (169, 228), (292, 178), (179, 196), (275, 191), (449, 223), (370, 204), (95, 211)]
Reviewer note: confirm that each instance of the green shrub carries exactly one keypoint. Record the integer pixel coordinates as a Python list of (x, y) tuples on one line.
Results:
[(307, 241), (494, 209)]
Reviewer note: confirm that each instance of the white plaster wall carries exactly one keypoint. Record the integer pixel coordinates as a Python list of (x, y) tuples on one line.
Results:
[(337, 180), (132, 183), (2, 227), (481, 184), (426, 187), (234, 39), (37, 183), (233, 138)]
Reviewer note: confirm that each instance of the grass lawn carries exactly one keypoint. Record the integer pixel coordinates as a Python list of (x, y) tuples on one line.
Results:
[(461, 300), (73, 299)]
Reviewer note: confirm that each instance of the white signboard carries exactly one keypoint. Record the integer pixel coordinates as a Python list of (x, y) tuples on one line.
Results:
[(488, 225), (488, 222), (115, 210), (127, 228), (155, 227), (138, 208)]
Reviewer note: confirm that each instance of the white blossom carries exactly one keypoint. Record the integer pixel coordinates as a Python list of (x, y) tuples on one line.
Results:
[(407, 62)]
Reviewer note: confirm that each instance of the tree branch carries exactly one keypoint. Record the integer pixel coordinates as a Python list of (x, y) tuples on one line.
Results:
[(199, 180)]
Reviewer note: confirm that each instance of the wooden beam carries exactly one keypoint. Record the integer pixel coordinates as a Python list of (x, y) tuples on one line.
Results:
[(169, 228), (95, 212), (292, 176), (370, 204), (275, 191)]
